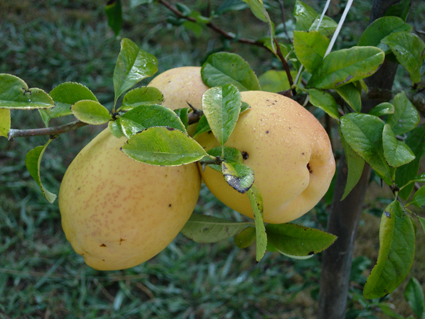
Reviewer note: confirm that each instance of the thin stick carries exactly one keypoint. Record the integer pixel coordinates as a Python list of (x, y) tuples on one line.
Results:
[(338, 28), (285, 66), (46, 131), (282, 10)]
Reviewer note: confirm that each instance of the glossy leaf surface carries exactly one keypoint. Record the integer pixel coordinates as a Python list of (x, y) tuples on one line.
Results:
[(396, 152), (310, 48), (91, 112), (381, 109), (405, 117), (324, 101), (141, 96), (351, 95)]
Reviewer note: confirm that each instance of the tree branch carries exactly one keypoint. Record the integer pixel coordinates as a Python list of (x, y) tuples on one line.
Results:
[(46, 131), (286, 67)]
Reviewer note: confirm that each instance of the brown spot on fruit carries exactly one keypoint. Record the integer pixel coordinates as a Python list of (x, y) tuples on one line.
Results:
[(121, 240), (309, 168), (245, 155), (169, 205), (103, 245), (267, 132)]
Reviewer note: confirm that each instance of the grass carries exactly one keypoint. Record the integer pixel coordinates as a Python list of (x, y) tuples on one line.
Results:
[(50, 42)]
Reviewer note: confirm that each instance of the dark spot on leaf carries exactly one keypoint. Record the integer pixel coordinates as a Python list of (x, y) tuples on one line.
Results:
[(170, 128), (209, 132), (103, 245), (205, 229), (311, 253), (309, 168), (387, 214), (245, 155)]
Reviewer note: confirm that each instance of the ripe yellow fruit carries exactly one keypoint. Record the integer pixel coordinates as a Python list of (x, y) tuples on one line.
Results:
[(289, 151), (181, 86), (117, 212)]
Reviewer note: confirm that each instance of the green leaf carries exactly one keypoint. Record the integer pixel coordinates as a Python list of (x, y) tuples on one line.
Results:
[(381, 109), (405, 117), (133, 65), (202, 126), (258, 9), (231, 5), (355, 166), (416, 141), (113, 12), (163, 146), (324, 101), (183, 115), (409, 50), (15, 94), (141, 96), (209, 229), (400, 9), (346, 66), (415, 297), (32, 162), (91, 112), (351, 96), (256, 201), (310, 48), (380, 28), (135, 3), (419, 197), (304, 16), (422, 221), (196, 28), (296, 240), (221, 106), (65, 95), (115, 129), (145, 116), (327, 26), (4, 122), (396, 152), (245, 238), (388, 311), (363, 132), (239, 176), (396, 252), (228, 68), (275, 81), (231, 155)]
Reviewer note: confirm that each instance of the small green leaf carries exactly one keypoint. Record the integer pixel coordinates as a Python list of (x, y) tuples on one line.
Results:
[(245, 238), (409, 50), (256, 201), (346, 66), (400, 9), (228, 68), (422, 221), (310, 48), (405, 117), (202, 126), (183, 115), (355, 166), (419, 197), (145, 116), (91, 112), (141, 96), (396, 252), (65, 95), (209, 229), (363, 132), (15, 94), (163, 146), (396, 152), (115, 129), (415, 297), (304, 15), (4, 122), (297, 240), (380, 28), (239, 176), (381, 109), (324, 101), (113, 12), (275, 81), (32, 162), (133, 65), (221, 106), (351, 96), (415, 139)]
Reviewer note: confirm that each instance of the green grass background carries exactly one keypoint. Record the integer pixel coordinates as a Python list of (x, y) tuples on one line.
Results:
[(50, 42)]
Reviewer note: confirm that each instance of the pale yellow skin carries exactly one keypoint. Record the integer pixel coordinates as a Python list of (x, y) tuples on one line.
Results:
[(179, 86), (280, 138), (117, 212)]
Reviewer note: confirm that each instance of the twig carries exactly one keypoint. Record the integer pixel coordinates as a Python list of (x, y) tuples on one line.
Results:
[(212, 26), (286, 67), (46, 131), (282, 10)]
